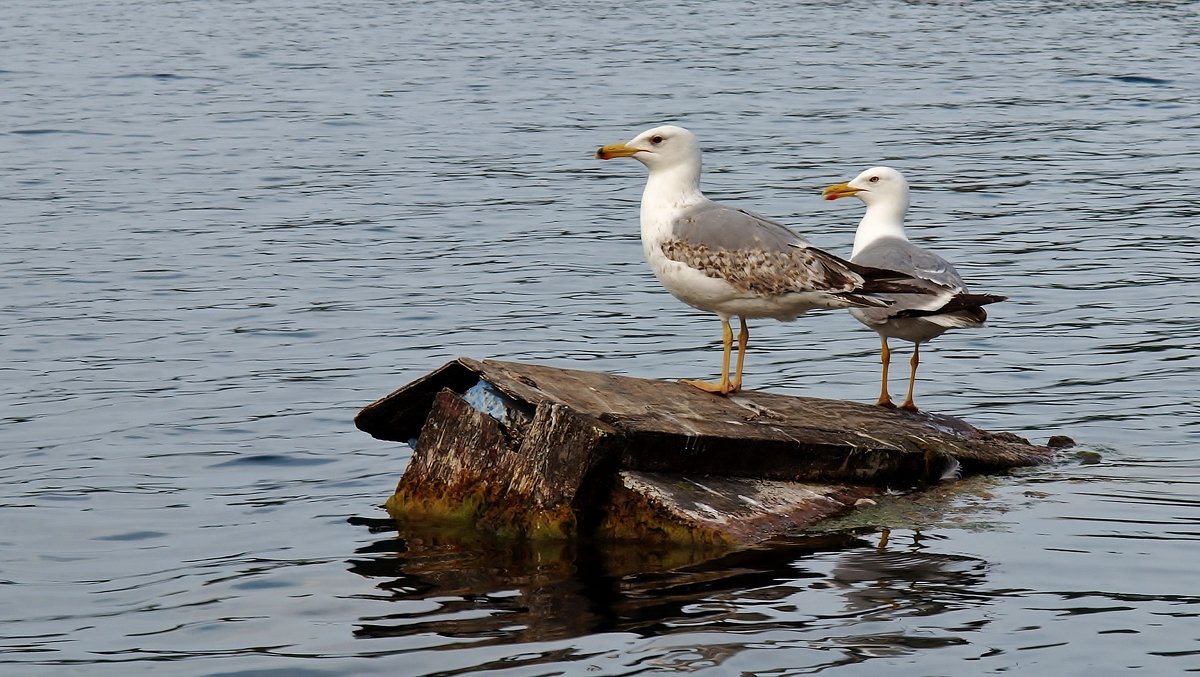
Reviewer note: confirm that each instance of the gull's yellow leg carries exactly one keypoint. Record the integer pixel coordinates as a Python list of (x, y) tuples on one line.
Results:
[(721, 388), (912, 379), (743, 339), (885, 356), (883, 538)]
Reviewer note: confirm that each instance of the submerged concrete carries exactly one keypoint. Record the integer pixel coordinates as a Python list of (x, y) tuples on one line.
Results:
[(539, 451)]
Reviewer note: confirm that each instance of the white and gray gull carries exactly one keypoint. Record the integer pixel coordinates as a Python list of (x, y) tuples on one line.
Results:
[(733, 262), (881, 241)]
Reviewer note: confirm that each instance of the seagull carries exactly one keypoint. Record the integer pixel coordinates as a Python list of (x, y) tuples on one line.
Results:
[(730, 261), (881, 241)]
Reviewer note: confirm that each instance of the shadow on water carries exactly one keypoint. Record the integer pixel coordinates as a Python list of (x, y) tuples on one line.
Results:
[(462, 587)]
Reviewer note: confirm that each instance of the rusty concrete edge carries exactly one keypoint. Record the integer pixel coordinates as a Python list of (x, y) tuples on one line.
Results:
[(506, 377), (976, 449), (641, 511), (508, 508), (393, 419)]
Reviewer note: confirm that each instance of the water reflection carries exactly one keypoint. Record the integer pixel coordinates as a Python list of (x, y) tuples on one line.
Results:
[(459, 587), (809, 601), (894, 580)]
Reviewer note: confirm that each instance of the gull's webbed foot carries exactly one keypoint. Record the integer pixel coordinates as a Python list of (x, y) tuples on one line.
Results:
[(709, 387)]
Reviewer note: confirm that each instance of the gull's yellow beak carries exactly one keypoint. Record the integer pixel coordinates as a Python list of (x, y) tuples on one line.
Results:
[(839, 190), (613, 150)]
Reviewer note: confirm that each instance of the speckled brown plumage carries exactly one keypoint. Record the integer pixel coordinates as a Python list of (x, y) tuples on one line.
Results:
[(763, 272)]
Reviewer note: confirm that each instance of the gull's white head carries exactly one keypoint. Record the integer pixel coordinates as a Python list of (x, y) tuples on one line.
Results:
[(661, 148), (876, 186), (885, 192)]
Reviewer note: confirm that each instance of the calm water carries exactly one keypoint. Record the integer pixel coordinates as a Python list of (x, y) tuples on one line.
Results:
[(228, 225)]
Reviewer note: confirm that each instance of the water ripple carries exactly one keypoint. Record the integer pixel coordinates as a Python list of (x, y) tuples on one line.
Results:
[(228, 226)]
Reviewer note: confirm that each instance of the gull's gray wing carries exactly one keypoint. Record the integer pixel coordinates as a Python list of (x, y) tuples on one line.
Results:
[(756, 255), (893, 253), (947, 292), (713, 225)]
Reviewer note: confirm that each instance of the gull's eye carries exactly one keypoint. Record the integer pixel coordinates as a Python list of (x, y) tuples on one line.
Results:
[(874, 179), (656, 139)]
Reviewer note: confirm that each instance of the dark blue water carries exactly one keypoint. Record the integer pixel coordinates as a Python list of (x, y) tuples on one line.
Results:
[(228, 225)]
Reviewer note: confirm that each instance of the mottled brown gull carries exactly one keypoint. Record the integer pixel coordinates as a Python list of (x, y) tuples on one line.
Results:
[(881, 241), (730, 261)]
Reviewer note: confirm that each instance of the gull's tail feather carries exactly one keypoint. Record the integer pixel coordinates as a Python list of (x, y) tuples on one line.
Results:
[(960, 308), (971, 318)]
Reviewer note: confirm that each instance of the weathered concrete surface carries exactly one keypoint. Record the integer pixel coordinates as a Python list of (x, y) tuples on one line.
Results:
[(532, 478), (717, 509), (556, 452)]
